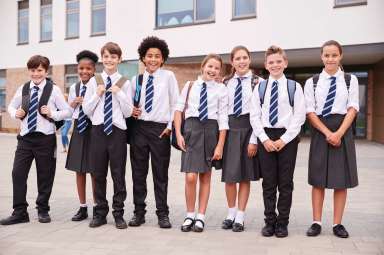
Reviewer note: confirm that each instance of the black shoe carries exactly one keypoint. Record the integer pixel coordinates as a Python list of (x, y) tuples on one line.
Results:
[(44, 217), (187, 228), (227, 224), (97, 221), (196, 228), (15, 218), (136, 220), (120, 222), (164, 222), (268, 230), (281, 230), (340, 231), (238, 227), (81, 214), (314, 230)]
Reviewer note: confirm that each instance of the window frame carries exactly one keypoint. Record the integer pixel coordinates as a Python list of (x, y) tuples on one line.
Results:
[(92, 21), (66, 20), (241, 17), (3, 90), (41, 21), (195, 22), (352, 3), (19, 42)]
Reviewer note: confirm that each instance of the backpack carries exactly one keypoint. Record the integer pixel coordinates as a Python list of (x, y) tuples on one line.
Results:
[(46, 94), (131, 121), (291, 87), (254, 81), (315, 80)]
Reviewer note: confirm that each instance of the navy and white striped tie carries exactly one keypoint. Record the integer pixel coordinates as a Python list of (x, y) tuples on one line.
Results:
[(237, 104), (108, 108), (149, 94), (32, 111), (273, 105), (203, 107), (330, 98), (82, 120)]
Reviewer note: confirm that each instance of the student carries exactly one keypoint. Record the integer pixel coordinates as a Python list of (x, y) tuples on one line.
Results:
[(240, 164), (79, 156), (332, 101), (42, 105), (65, 130), (277, 114), (151, 135), (203, 137), (107, 104)]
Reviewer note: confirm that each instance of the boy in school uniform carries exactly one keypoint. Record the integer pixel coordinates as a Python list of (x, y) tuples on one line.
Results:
[(107, 104), (151, 135), (278, 112), (37, 104)]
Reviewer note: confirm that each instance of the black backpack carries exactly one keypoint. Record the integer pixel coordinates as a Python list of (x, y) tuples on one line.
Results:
[(291, 87)]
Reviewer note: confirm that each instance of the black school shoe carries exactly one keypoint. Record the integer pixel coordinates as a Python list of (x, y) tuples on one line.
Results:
[(136, 220), (164, 222), (340, 231), (227, 224), (120, 222), (196, 228), (97, 221), (281, 230), (268, 230), (81, 214), (15, 218), (314, 230), (187, 228), (44, 217), (238, 227)]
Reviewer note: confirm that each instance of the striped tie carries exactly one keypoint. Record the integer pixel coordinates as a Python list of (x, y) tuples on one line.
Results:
[(108, 108), (273, 106), (82, 120), (149, 94), (330, 98), (237, 104), (32, 111), (203, 108)]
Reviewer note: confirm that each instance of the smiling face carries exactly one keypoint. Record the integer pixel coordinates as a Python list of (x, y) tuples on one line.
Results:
[(241, 62), (211, 69), (110, 62), (85, 69), (153, 60), (331, 58), (37, 75), (275, 64)]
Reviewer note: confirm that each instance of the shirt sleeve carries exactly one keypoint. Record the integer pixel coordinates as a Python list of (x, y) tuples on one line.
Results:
[(298, 117), (353, 95), (223, 108), (91, 98), (63, 110), (309, 96), (15, 103), (124, 100), (173, 89), (256, 115), (72, 94), (182, 98)]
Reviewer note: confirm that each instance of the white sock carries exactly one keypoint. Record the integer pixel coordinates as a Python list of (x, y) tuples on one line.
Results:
[(317, 222), (334, 225), (201, 217), (189, 215), (83, 205), (231, 213), (240, 217)]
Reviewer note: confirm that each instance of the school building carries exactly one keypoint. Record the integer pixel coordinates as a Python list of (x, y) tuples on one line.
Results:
[(59, 29)]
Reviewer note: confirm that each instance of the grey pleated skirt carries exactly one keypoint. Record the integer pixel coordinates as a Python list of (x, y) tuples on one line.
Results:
[(200, 139), (332, 167), (237, 166), (79, 155)]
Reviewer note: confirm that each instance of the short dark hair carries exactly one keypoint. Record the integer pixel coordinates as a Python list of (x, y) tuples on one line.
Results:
[(112, 48), (153, 42), (86, 54), (37, 60)]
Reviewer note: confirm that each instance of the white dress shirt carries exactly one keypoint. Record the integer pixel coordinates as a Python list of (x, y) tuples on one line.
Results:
[(217, 99), (93, 104), (72, 96), (60, 110), (290, 118), (246, 96), (343, 98), (165, 95)]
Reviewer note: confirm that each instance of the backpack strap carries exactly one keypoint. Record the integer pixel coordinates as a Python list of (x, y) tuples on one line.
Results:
[(77, 88), (347, 78), (190, 83), (262, 90), (120, 83), (99, 79), (139, 83), (315, 80), (291, 88), (25, 98), (47, 91), (254, 81)]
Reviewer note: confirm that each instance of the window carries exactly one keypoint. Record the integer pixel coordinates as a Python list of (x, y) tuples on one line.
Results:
[(2, 90), (344, 3), (172, 13), (45, 20), (73, 18), (70, 77), (98, 17), (129, 68), (243, 9), (22, 20)]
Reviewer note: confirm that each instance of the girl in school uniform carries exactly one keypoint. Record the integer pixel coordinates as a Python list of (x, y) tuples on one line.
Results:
[(78, 158), (332, 102), (240, 164), (203, 137)]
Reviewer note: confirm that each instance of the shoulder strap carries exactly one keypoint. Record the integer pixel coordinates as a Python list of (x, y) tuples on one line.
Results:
[(25, 98), (120, 83), (47, 91), (254, 81), (190, 83), (262, 89), (99, 79), (77, 88), (347, 78), (315, 80), (139, 83), (291, 87)]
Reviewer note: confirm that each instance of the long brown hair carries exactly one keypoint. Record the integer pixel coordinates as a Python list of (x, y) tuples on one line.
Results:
[(233, 52)]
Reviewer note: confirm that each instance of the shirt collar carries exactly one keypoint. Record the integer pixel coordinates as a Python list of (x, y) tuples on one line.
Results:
[(246, 76), (113, 76), (41, 85), (281, 80), (155, 74), (200, 81), (327, 76)]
